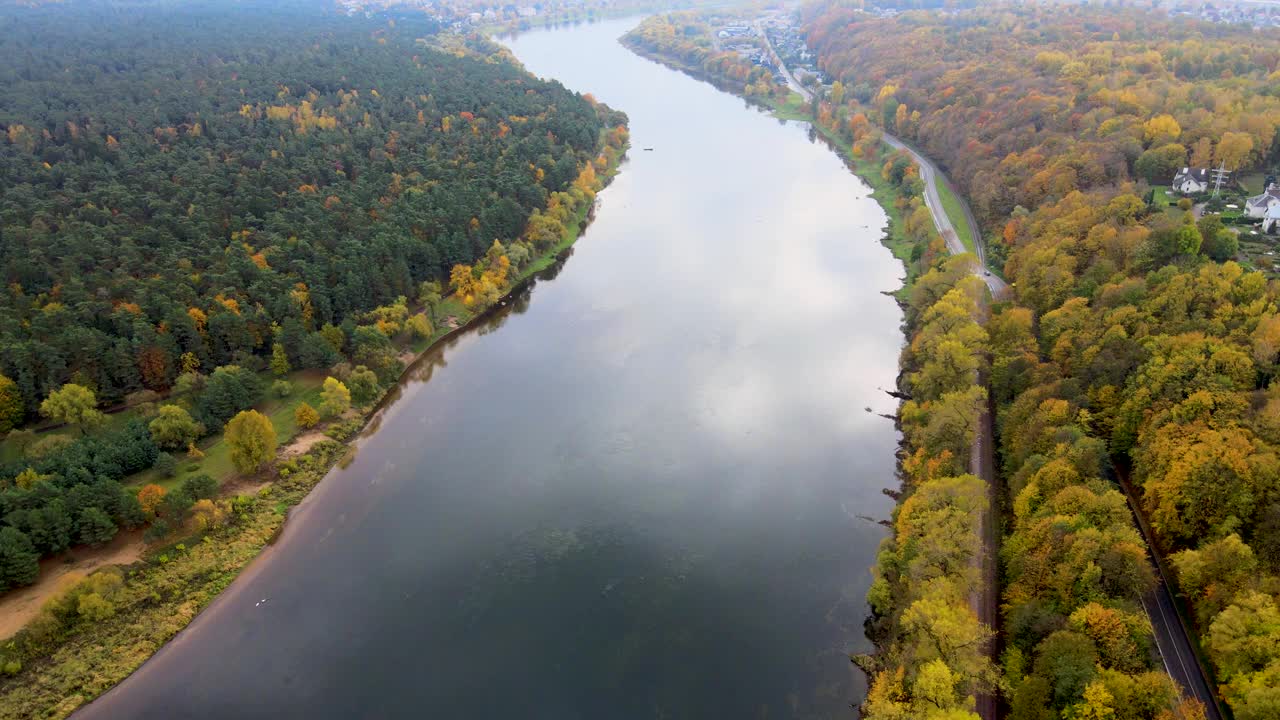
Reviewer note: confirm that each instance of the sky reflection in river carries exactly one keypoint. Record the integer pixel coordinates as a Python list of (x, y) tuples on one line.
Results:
[(636, 495)]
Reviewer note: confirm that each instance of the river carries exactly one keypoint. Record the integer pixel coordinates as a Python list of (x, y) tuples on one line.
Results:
[(645, 489)]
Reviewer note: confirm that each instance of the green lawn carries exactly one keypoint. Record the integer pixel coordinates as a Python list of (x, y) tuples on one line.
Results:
[(217, 454), (1160, 197), (9, 450), (793, 108), (1252, 183), (955, 212)]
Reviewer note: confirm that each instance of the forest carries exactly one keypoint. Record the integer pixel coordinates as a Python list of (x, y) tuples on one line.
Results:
[(1135, 345), (197, 204), (172, 198)]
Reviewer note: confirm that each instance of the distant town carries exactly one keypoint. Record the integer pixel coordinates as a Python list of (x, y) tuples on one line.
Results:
[(464, 15), (1257, 13), (746, 37)]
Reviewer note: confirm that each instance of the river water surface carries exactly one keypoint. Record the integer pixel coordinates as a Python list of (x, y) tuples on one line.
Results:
[(635, 493)]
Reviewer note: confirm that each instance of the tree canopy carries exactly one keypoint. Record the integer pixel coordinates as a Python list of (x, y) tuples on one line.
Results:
[(177, 185)]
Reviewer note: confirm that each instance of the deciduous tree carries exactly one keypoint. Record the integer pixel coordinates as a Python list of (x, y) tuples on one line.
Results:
[(252, 439), (74, 405)]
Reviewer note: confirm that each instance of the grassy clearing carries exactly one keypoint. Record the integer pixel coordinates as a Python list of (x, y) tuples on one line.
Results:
[(1252, 183), (1160, 198), (955, 212), (216, 462), (793, 108)]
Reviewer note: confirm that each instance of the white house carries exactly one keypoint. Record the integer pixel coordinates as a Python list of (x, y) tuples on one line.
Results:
[(1189, 181), (1272, 219), (1258, 205)]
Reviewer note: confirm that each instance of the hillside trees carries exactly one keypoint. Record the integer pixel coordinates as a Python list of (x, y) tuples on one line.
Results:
[(933, 647), (684, 38), (291, 195), (1124, 342)]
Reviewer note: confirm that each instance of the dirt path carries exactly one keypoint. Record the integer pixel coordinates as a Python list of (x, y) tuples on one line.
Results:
[(302, 443), (19, 607)]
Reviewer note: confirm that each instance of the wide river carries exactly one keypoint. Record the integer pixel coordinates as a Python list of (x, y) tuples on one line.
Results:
[(647, 489)]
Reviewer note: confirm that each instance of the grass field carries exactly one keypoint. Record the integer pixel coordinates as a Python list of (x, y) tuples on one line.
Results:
[(1160, 197), (793, 108), (217, 454), (1252, 183), (955, 212)]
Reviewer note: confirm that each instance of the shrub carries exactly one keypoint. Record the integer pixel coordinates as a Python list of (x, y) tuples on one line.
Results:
[(174, 427), (306, 416), (165, 465), (199, 487), (363, 384)]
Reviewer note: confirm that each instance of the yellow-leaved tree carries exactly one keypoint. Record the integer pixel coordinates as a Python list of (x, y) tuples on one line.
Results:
[(252, 439)]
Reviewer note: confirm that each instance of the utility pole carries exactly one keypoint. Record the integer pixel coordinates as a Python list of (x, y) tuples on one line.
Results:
[(1219, 176)]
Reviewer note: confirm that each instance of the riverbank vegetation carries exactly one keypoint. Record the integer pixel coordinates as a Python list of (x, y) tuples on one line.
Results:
[(933, 649), (685, 41), (370, 195), (1132, 339)]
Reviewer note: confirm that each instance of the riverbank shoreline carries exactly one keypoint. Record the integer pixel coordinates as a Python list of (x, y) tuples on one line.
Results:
[(881, 192), (52, 672), (892, 593)]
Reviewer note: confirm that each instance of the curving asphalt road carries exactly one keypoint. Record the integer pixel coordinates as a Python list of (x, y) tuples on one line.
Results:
[(931, 175), (1172, 633)]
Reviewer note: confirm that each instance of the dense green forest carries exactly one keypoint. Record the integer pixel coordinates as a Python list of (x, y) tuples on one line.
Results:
[(190, 179), (1136, 340), (195, 198)]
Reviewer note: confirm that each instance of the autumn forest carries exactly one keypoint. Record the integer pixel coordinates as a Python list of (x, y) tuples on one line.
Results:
[(228, 237), (1134, 346)]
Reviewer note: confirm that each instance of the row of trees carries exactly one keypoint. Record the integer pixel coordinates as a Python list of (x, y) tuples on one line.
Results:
[(933, 657), (195, 188), (1125, 343)]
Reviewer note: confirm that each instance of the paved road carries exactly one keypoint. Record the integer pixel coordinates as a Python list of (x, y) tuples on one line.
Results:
[(1173, 637), (931, 176)]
